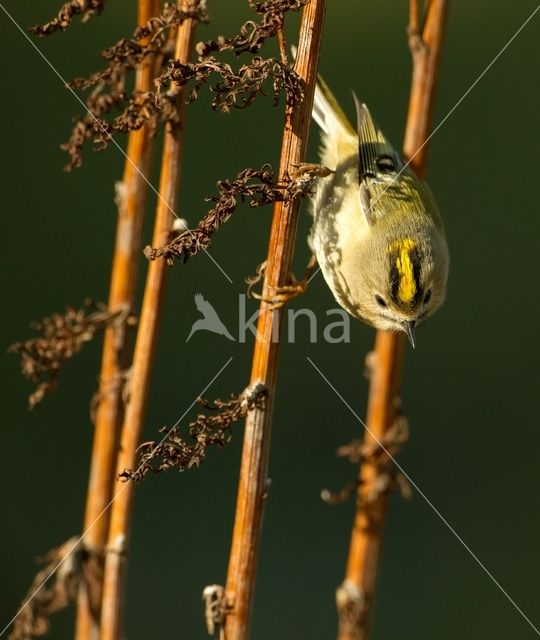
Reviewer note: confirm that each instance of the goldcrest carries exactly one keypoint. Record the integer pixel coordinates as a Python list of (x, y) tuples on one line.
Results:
[(377, 233)]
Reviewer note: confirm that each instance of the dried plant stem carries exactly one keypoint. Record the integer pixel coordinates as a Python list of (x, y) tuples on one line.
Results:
[(425, 44), (355, 594), (108, 420), (253, 482), (115, 561)]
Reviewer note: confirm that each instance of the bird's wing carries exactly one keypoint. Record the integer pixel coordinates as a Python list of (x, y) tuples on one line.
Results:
[(386, 185), (376, 156)]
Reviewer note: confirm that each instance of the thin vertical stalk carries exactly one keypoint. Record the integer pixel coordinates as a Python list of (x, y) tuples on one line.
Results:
[(425, 44), (109, 414), (253, 482), (121, 510), (355, 594)]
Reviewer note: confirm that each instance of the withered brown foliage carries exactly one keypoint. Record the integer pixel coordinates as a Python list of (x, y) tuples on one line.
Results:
[(86, 8), (93, 125), (252, 34), (176, 453), (235, 89), (62, 336), (108, 85), (388, 476), (127, 53), (139, 109), (230, 88), (56, 585), (257, 186)]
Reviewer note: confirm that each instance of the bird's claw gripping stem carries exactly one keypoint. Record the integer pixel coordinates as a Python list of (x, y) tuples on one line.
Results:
[(282, 294)]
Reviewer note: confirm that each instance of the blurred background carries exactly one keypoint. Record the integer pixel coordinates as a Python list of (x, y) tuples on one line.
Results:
[(470, 389)]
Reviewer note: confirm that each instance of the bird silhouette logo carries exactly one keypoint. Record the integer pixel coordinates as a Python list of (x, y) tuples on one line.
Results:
[(210, 320)]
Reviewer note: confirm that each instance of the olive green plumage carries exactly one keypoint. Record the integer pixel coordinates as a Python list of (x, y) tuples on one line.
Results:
[(377, 233)]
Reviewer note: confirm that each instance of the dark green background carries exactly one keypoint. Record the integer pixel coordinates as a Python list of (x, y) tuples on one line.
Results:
[(470, 389)]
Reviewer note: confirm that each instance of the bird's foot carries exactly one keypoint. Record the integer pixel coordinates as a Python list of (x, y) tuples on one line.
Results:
[(311, 170), (283, 293), (304, 175)]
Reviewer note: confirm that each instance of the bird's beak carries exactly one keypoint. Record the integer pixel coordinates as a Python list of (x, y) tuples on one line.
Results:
[(409, 327)]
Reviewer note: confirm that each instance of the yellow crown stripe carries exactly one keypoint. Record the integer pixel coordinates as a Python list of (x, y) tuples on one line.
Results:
[(407, 283)]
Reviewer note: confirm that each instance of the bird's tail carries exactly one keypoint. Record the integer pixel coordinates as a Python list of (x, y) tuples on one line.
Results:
[(328, 114), (338, 137), (326, 110)]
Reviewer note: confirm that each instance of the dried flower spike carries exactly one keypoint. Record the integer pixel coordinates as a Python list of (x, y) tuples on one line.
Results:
[(176, 453), (252, 34), (109, 85), (86, 8), (63, 336), (55, 586), (257, 186)]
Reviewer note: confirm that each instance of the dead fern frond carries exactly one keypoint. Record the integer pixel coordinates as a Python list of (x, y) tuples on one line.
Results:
[(380, 455), (93, 125), (62, 336), (252, 34), (257, 186), (108, 85), (230, 88), (85, 8), (235, 89), (127, 53), (176, 453), (55, 586)]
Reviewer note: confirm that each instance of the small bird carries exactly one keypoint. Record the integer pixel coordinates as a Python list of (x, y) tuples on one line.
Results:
[(210, 321), (377, 233)]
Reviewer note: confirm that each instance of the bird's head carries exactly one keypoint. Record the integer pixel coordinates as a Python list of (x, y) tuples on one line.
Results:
[(402, 280)]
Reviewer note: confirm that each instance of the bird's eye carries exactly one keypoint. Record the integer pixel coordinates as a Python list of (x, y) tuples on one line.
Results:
[(381, 301), (386, 164), (427, 297)]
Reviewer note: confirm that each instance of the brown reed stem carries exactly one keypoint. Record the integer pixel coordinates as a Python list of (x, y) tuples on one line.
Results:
[(355, 594), (117, 544), (109, 414), (253, 482)]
